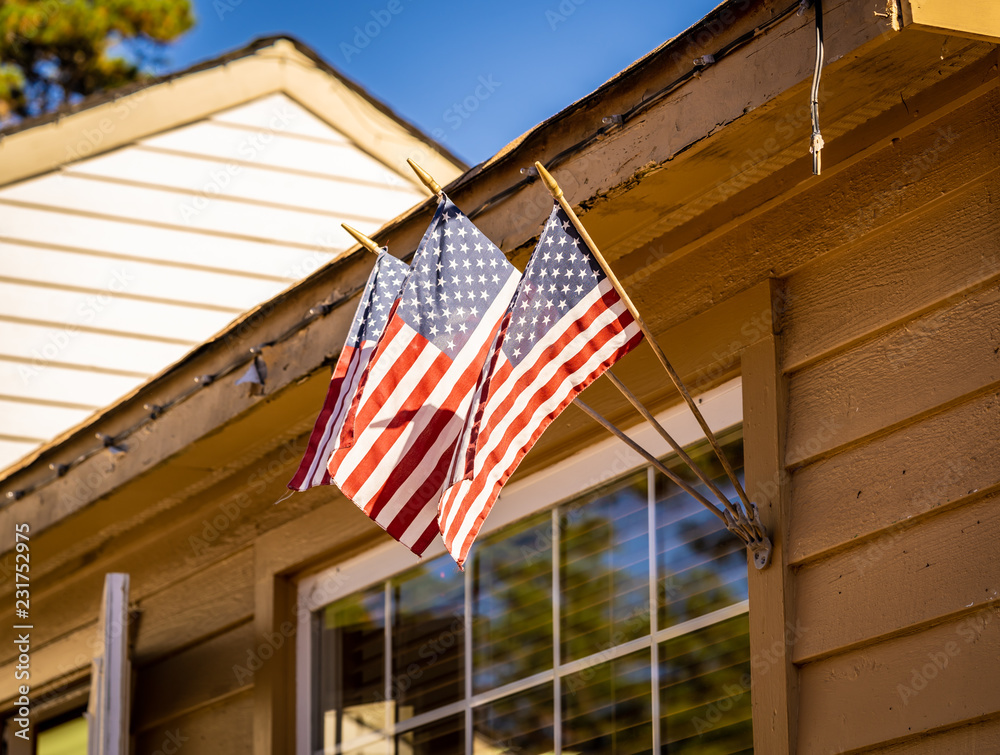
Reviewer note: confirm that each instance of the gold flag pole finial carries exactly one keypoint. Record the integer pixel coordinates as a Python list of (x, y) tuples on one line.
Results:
[(425, 177), (550, 183), (366, 242)]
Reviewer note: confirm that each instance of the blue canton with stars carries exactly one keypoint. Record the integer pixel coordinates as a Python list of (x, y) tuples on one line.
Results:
[(560, 273), (455, 275), (383, 289)]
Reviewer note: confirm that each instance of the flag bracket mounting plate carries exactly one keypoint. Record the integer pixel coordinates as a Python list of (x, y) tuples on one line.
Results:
[(752, 533)]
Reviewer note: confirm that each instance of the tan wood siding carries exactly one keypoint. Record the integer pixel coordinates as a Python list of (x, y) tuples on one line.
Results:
[(893, 362), (224, 728), (194, 678)]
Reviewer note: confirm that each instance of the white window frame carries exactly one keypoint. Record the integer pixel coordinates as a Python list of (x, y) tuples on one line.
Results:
[(601, 462)]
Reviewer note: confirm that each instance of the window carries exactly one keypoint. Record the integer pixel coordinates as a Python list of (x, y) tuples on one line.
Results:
[(57, 723), (614, 622)]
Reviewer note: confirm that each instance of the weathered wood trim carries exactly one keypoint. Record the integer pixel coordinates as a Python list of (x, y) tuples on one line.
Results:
[(772, 627), (275, 628), (976, 19)]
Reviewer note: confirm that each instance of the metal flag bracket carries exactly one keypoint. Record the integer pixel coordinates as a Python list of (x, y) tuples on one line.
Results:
[(752, 533)]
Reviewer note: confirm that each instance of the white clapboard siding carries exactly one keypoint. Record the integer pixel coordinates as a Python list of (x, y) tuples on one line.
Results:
[(274, 149), (99, 309), (261, 113), (41, 381), (82, 348), (180, 209), (21, 419), (166, 246), (15, 449), (209, 178), (60, 267), (115, 266)]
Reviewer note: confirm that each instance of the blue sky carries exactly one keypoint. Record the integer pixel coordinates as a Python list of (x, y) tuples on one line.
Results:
[(475, 75)]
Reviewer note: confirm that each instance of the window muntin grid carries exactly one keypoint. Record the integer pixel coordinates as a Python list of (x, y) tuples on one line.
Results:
[(553, 611)]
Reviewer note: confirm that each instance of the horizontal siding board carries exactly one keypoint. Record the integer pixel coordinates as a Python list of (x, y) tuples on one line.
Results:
[(110, 312), (225, 728), (193, 678), (11, 450), (33, 421), (260, 113), (201, 604), (951, 561), (216, 213), (249, 182), (916, 468), (39, 380), (888, 277), (96, 349), (53, 660), (136, 278), (135, 239), (918, 682), (974, 738), (273, 149), (913, 368)]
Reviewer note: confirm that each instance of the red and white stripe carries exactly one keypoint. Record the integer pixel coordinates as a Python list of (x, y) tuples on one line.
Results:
[(406, 424), (326, 431), (521, 402)]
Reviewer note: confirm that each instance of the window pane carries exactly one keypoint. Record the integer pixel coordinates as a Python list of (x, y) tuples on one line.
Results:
[(701, 565), (351, 658), (705, 690), (607, 708), (520, 723), (428, 637), (442, 737), (67, 738), (512, 604), (374, 747), (604, 569)]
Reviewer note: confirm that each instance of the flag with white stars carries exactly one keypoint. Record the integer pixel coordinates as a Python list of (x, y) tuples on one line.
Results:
[(418, 386), (380, 293), (565, 326)]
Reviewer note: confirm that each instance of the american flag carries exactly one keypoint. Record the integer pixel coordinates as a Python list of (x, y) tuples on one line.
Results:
[(370, 319), (565, 326), (419, 383)]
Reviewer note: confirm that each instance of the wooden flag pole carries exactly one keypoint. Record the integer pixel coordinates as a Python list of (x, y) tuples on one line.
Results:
[(366, 242), (557, 194)]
